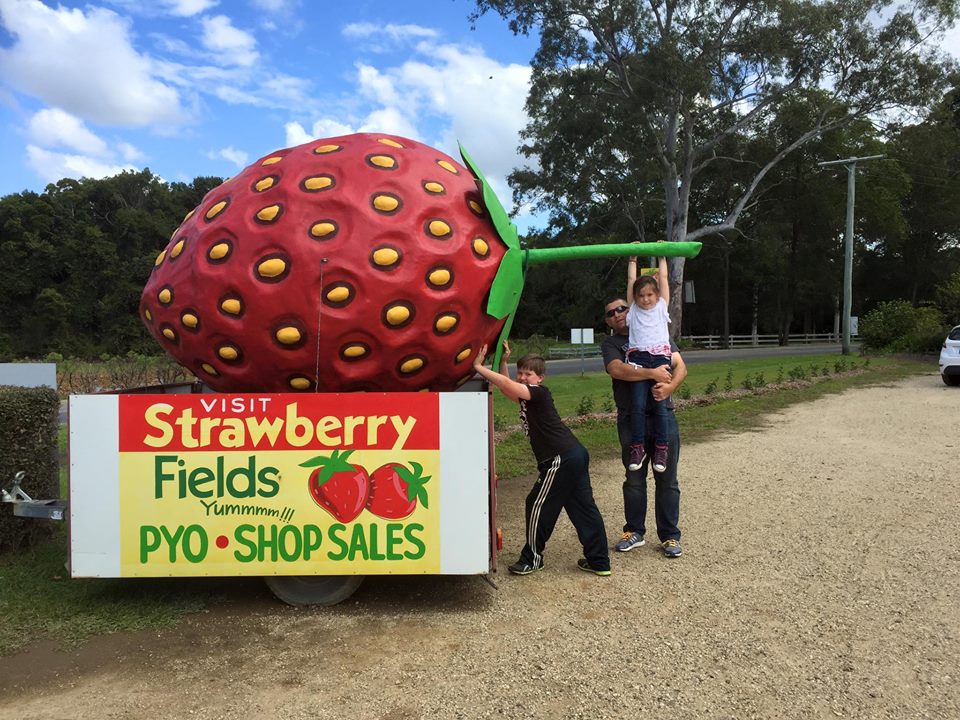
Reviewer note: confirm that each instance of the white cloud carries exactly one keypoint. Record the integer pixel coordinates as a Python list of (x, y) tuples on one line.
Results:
[(389, 35), (237, 157), (129, 152), (83, 62), (277, 6), (323, 128), (55, 128), (231, 45), (52, 166), (189, 8)]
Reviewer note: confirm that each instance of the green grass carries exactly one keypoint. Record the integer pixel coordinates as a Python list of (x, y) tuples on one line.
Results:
[(38, 600), (696, 422)]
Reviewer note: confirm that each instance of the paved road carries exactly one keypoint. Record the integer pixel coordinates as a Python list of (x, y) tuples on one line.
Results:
[(692, 357)]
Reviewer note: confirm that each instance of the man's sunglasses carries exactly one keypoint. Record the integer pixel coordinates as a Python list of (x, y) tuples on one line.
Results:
[(617, 310)]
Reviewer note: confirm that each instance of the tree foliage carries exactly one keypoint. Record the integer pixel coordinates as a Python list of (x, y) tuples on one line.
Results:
[(77, 257), (636, 104)]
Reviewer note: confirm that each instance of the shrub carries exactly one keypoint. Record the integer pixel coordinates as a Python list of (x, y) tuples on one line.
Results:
[(797, 373), (711, 387), (948, 298), (683, 392), (608, 406), (28, 442), (780, 374), (760, 380), (728, 382), (586, 405), (897, 326), (747, 383)]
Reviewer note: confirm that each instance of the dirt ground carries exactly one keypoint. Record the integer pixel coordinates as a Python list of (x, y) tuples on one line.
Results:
[(820, 579)]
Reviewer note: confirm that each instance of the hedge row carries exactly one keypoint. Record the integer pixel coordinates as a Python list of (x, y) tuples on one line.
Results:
[(28, 441)]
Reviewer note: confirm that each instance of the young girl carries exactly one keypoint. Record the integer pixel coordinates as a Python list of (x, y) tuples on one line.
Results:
[(647, 321)]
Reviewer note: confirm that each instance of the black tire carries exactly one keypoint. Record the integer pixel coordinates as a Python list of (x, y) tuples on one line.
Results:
[(302, 590), (951, 380)]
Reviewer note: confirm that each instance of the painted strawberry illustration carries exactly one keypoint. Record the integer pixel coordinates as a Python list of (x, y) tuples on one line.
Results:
[(360, 262), (396, 490), (338, 486)]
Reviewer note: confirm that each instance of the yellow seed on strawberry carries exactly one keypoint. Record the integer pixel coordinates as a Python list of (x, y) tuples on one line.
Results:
[(272, 160), (177, 249), (438, 228), (445, 323), (411, 365), (434, 187), (228, 352), (386, 203), (338, 294), (398, 314), (319, 182), (383, 161), (480, 246), (190, 320), (475, 206), (439, 277), (288, 335), (169, 334), (385, 257), (464, 354), (209, 369), (188, 216), (232, 306), (391, 143), (271, 268), (322, 229), (148, 315), (219, 251), (354, 351), (165, 296), (264, 184), (269, 213), (324, 149), (300, 383), (216, 210), (160, 257)]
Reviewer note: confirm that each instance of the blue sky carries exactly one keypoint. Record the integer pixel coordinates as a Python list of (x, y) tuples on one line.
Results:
[(204, 87)]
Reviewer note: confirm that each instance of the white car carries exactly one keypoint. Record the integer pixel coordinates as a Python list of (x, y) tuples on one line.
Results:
[(950, 358)]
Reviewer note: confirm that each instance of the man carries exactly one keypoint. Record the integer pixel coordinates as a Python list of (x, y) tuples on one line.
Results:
[(667, 490)]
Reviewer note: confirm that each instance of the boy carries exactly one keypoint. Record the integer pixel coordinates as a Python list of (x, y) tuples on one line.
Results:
[(563, 464)]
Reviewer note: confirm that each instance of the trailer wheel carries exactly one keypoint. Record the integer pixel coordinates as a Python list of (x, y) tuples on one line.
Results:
[(300, 590)]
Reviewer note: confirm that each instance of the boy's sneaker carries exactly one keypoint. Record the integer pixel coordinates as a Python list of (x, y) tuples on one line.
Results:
[(629, 541), (522, 568), (585, 566), (672, 549), (636, 456), (660, 456)]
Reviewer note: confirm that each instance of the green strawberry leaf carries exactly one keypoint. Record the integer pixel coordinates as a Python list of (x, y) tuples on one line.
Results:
[(508, 284), (330, 466)]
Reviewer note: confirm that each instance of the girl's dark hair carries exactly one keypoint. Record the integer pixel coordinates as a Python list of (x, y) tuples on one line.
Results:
[(534, 363), (642, 282)]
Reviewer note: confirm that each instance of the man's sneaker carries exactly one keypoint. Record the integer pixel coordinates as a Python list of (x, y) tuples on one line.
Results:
[(636, 456), (585, 566), (629, 541), (660, 455), (672, 549), (522, 568)]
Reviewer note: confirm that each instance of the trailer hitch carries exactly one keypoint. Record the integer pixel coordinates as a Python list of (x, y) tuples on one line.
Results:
[(25, 506)]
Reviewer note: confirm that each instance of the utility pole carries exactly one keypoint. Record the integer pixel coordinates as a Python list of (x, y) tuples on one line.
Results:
[(851, 164)]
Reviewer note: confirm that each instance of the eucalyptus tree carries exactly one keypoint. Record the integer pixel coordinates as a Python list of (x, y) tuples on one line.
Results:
[(633, 101)]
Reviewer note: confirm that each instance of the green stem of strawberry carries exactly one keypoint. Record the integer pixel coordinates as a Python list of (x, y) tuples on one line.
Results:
[(508, 284), (337, 462), (415, 482)]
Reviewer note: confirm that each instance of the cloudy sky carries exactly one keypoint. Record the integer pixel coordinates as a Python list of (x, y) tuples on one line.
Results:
[(203, 87)]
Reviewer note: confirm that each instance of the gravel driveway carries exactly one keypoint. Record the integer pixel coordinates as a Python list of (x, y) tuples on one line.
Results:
[(820, 579)]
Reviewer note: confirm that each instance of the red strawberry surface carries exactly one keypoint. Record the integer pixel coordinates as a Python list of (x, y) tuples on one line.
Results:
[(339, 487), (360, 262), (395, 490)]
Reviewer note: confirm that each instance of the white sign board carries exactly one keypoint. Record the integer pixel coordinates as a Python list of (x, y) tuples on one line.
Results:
[(279, 484), (581, 336)]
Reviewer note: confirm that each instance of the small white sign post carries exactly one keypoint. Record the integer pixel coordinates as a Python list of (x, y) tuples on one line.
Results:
[(581, 337)]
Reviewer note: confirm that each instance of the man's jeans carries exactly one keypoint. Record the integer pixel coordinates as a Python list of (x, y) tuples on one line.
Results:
[(666, 498)]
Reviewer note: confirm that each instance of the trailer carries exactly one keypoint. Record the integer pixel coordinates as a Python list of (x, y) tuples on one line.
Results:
[(311, 491)]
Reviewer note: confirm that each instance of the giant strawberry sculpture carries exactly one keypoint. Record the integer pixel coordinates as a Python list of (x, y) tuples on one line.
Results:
[(362, 262)]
